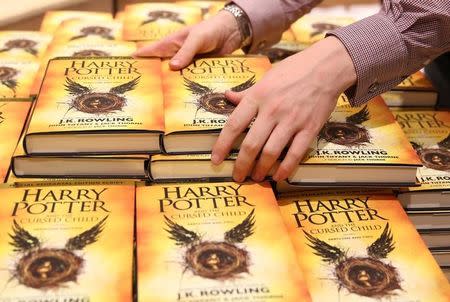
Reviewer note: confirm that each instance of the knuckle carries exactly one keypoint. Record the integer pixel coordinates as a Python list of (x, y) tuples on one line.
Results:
[(270, 153), (249, 147)]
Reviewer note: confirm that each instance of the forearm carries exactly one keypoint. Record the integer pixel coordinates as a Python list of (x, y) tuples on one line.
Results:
[(270, 18), (402, 38)]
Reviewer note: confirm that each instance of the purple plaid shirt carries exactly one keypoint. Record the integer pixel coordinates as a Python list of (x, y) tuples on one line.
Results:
[(399, 40)]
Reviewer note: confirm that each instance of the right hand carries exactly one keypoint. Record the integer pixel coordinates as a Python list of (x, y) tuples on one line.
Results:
[(218, 35)]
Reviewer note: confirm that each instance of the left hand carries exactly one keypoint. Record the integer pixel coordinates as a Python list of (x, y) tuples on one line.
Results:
[(291, 104)]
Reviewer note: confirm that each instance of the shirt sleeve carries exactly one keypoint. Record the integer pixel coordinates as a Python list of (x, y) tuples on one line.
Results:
[(402, 38), (270, 18)]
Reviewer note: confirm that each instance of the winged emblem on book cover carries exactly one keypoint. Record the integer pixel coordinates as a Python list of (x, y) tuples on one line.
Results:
[(154, 16), (99, 31), (27, 45), (8, 78), (438, 157)]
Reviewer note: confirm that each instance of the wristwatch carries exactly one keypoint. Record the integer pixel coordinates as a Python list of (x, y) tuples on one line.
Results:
[(243, 22)]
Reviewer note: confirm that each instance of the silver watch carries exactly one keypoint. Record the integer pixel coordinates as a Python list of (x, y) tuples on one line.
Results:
[(243, 22)]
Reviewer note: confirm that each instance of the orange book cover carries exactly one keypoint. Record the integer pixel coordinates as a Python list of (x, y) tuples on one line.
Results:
[(209, 8), (214, 242), (80, 49), (60, 243), (92, 94), (154, 21), (82, 30), (13, 114), (361, 248), (52, 19), (194, 97), (16, 77), (428, 131), (23, 44), (416, 81), (286, 47)]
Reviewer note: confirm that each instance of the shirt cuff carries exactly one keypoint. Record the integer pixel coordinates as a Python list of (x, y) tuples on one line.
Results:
[(378, 53), (268, 21)]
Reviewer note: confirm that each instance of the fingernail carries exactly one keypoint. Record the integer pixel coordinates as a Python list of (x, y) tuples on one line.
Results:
[(258, 177), (276, 177), (175, 63), (215, 159), (239, 178)]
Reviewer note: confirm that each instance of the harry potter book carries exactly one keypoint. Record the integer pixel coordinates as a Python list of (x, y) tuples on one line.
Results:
[(13, 114), (52, 19), (286, 47), (208, 8), (416, 90), (16, 77), (214, 242), (357, 247), (110, 105), (195, 105), (60, 243), (23, 44), (429, 133), (430, 219), (359, 146), (435, 237), (81, 49), (154, 21)]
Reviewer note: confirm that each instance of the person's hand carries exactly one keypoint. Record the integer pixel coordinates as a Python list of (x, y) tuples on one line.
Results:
[(291, 104), (219, 35)]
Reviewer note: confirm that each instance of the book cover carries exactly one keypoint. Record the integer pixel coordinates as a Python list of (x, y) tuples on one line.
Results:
[(194, 96), (99, 94), (80, 49), (209, 8), (416, 81), (358, 247), (60, 243), (154, 21), (429, 133), (52, 19), (214, 242), (82, 30), (286, 47), (366, 135), (16, 77), (23, 44), (12, 118)]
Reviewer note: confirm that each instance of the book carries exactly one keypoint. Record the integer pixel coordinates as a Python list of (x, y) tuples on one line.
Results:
[(286, 47), (441, 255), (416, 90), (357, 247), (430, 219), (23, 44), (60, 243), (54, 18), (359, 146), (80, 49), (110, 105), (208, 8), (429, 133), (16, 77), (82, 30), (435, 237), (313, 27), (195, 106), (13, 114), (214, 241), (154, 21)]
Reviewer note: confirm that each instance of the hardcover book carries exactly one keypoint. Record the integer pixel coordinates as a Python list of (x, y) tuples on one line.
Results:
[(154, 21), (429, 133), (416, 90), (52, 19), (81, 49), (16, 77), (435, 237), (359, 146), (13, 114), (195, 106), (358, 247), (287, 46), (430, 219), (107, 105), (82, 30), (23, 44), (208, 8), (60, 243), (214, 242)]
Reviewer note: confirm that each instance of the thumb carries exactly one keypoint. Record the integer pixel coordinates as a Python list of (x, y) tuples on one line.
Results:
[(234, 97), (186, 53)]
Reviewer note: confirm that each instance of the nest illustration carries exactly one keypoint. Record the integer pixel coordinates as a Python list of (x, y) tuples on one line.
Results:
[(349, 133), (218, 260), (49, 268), (101, 31), (368, 276), (8, 78), (90, 53), (214, 102), (437, 158), (154, 16), (276, 54), (25, 44), (87, 101)]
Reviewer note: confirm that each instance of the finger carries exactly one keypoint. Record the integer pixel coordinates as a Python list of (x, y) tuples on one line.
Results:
[(276, 143), (165, 48), (297, 151), (234, 96), (237, 122), (193, 44), (251, 146)]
